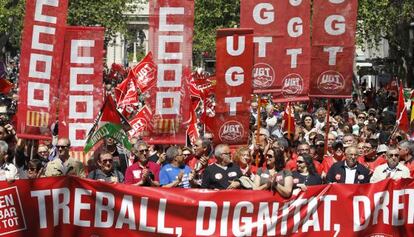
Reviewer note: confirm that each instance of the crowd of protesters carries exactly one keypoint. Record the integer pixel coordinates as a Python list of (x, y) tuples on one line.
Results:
[(360, 144)]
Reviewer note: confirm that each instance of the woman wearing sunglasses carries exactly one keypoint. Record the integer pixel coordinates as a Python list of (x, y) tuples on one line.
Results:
[(306, 173), (274, 177)]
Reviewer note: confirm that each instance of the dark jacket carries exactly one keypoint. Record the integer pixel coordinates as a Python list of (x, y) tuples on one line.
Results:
[(336, 173)]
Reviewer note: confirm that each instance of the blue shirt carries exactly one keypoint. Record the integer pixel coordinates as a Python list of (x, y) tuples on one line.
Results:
[(169, 173)]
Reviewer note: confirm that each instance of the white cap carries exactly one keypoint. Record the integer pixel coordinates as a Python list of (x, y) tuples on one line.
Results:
[(382, 148)]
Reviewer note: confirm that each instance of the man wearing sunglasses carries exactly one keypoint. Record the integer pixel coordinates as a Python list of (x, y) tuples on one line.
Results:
[(392, 169), (65, 165), (143, 172), (106, 171)]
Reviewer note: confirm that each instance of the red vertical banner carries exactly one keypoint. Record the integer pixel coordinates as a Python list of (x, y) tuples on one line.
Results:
[(81, 91), (294, 73), (263, 17), (234, 55), (333, 48), (171, 36), (41, 57), (282, 47)]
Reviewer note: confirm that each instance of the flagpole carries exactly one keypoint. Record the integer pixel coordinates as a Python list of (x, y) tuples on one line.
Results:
[(289, 125), (259, 104), (327, 126)]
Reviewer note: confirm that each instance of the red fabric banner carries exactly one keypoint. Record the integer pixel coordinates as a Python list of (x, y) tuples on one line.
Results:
[(282, 52), (70, 206), (141, 123), (234, 56), (81, 91), (333, 48), (145, 73), (171, 34), (40, 63)]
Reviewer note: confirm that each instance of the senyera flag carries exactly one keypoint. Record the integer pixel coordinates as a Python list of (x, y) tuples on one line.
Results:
[(40, 64), (234, 55), (171, 34), (109, 123), (333, 48), (71, 206), (282, 47), (81, 91)]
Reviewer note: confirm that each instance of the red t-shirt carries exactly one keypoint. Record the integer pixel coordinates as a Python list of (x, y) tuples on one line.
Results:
[(372, 164), (328, 161), (133, 174)]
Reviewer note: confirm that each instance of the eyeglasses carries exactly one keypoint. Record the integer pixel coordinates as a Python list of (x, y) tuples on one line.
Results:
[(62, 146), (43, 152), (320, 145), (394, 155), (227, 153), (269, 156), (300, 161), (186, 154), (362, 117), (107, 161), (32, 169), (143, 151)]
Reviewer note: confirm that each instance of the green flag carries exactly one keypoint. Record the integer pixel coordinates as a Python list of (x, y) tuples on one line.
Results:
[(109, 123)]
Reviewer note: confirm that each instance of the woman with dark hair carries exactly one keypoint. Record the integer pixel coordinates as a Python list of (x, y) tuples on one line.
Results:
[(34, 169), (306, 173), (274, 176), (308, 126)]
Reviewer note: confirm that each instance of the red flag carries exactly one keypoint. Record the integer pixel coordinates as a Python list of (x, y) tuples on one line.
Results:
[(5, 86), (201, 85), (126, 92), (145, 73), (289, 114), (192, 130), (402, 117), (141, 122)]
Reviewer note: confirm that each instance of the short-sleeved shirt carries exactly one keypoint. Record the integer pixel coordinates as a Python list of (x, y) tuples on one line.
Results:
[(308, 180), (133, 174), (169, 173), (217, 177)]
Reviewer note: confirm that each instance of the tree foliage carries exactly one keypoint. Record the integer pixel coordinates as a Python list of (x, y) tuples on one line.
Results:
[(211, 15), (107, 13), (389, 19)]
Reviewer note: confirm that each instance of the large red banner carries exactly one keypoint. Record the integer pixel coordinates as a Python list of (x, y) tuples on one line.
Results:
[(234, 63), (171, 34), (81, 91), (333, 48), (282, 52), (41, 57), (70, 206)]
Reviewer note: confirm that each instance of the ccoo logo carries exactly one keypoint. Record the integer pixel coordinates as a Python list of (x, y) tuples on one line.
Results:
[(231, 131)]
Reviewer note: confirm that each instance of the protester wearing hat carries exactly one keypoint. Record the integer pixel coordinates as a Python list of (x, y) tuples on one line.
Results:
[(348, 171), (372, 157), (392, 169)]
